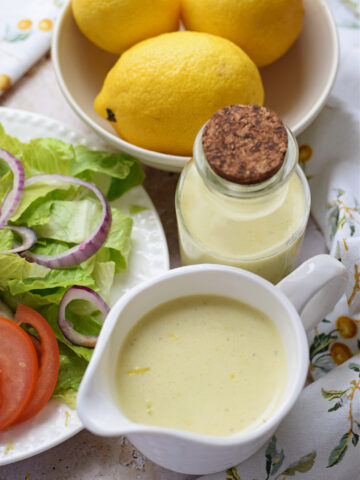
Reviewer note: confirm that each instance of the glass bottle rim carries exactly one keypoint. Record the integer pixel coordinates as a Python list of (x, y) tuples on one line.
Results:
[(220, 185)]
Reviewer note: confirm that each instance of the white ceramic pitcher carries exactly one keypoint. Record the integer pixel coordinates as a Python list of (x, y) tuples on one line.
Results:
[(296, 304)]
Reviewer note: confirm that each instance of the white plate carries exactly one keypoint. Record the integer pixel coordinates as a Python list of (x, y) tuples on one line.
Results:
[(150, 257)]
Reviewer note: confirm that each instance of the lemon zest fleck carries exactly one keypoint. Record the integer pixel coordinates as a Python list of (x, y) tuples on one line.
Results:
[(135, 371), (67, 417), (9, 446)]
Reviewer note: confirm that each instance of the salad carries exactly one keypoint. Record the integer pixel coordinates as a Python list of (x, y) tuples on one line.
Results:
[(61, 244)]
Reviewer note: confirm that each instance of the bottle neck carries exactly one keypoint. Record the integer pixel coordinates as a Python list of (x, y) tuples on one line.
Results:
[(220, 185)]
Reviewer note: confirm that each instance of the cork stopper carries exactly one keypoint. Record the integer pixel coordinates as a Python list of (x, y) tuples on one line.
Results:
[(245, 144)]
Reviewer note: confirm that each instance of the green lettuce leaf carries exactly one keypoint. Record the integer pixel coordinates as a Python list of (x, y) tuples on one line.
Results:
[(125, 171), (6, 239), (14, 146), (116, 165), (104, 274), (6, 181), (50, 155), (37, 286), (11, 144), (86, 324), (71, 370), (118, 242), (14, 267), (47, 155), (36, 201), (59, 278), (70, 221), (134, 209)]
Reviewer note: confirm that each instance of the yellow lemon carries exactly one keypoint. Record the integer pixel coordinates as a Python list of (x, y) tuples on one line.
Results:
[(264, 29), (116, 25), (161, 91)]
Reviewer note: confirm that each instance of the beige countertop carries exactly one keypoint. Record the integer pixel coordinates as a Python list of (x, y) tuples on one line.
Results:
[(85, 456)]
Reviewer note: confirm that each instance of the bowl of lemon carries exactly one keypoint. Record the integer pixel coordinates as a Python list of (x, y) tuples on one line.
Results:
[(146, 75)]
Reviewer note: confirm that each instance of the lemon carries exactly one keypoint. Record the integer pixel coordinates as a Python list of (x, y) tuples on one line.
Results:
[(161, 91), (116, 25), (264, 29)]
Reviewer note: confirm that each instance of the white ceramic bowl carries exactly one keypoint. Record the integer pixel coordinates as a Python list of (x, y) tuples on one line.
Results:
[(296, 86)]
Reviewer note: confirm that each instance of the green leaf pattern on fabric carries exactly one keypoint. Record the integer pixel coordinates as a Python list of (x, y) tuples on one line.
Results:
[(303, 465), (321, 344), (346, 399), (274, 460), (355, 366), (331, 394), (319, 351), (339, 451), (341, 214)]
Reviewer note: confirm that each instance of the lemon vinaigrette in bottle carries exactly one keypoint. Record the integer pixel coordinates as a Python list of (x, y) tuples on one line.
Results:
[(242, 200)]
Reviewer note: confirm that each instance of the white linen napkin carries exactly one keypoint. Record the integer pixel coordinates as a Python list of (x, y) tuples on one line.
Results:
[(25, 36), (319, 439)]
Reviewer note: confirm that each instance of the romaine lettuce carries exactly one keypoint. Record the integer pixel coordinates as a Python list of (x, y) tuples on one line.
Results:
[(63, 215)]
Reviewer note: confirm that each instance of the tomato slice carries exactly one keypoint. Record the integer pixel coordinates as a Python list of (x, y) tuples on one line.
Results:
[(18, 371), (48, 361)]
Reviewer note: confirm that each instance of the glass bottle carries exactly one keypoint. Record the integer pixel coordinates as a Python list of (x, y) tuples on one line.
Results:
[(257, 226)]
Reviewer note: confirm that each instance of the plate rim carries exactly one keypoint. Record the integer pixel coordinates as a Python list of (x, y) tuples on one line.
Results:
[(6, 111)]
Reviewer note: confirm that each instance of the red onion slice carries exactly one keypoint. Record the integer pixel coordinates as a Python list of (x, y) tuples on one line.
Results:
[(79, 293), (88, 247), (27, 235), (12, 199)]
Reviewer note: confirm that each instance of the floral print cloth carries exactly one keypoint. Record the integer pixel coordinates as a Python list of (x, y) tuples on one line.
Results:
[(329, 154), (319, 439), (25, 36)]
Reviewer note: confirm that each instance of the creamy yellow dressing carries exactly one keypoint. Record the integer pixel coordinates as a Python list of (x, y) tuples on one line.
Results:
[(255, 234), (205, 364)]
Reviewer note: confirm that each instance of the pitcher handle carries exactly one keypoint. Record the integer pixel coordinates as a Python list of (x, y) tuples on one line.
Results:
[(315, 287)]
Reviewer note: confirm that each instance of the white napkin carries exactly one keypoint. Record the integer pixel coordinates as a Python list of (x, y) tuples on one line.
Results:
[(319, 439), (25, 36)]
